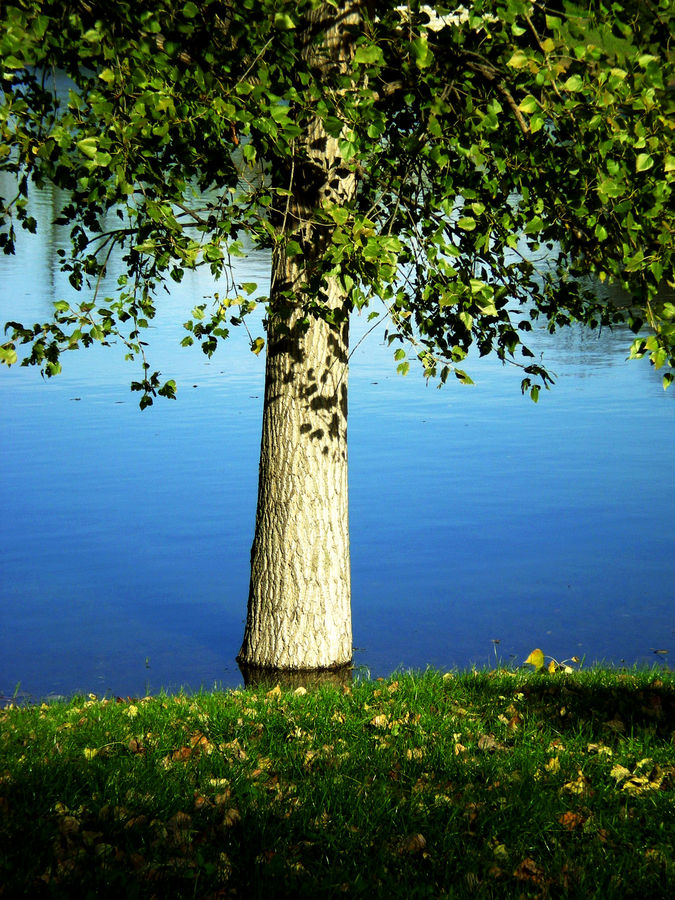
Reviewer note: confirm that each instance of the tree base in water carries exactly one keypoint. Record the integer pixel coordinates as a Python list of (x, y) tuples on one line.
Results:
[(256, 676)]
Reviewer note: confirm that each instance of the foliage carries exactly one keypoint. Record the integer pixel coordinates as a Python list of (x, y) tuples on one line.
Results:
[(511, 158), (490, 784)]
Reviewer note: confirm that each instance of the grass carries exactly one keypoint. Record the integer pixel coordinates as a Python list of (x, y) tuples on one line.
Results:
[(488, 784)]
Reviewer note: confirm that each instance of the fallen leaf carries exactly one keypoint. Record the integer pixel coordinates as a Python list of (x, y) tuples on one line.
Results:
[(499, 850), (201, 801), (275, 692), (413, 843), (580, 785), (571, 820), (69, 825), (489, 743), (181, 755), (528, 870), (200, 743), (219, 782), (380, 721), (600, 748), (536, 659), (231, 817), (639, 784)]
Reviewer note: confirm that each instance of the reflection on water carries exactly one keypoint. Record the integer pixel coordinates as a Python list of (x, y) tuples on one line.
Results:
[(476, 516)]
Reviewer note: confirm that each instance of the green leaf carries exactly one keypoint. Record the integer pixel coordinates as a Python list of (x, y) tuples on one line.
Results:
[(529, 105), (190, 10), (8, 355), (534, 226), (338, 214), (574, 83), (487, 307), (368, 54), (293, 248), (643, 162), (421, 52), (283, 22), (88, 146), (518, 60), (466, 223), (461, 375)]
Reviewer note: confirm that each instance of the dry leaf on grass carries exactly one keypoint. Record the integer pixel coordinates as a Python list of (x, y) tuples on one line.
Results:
[(571, 820), (528, 870), (411, 844)]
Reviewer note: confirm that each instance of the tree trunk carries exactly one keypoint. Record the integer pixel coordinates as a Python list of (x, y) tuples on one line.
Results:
[(299, 608)]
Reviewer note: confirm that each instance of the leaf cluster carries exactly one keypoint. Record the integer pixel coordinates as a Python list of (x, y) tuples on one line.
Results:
[(511, 160)]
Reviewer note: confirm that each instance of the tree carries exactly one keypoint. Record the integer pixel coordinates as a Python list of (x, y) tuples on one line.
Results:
[(474, 169)]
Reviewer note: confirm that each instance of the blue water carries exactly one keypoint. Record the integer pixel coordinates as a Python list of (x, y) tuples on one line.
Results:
[(482, 526)]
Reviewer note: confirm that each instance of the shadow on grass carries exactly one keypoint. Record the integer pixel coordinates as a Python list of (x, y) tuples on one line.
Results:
[(426, 791)]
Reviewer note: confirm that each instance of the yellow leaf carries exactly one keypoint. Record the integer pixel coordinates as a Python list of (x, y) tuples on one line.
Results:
[(553, 765), (380, 721), (90, 752), (619, 772), (536, 659), (639, 784), (599, 748), (551, 667), (518, 60), (579, 786), (275, 692), (219, 782)]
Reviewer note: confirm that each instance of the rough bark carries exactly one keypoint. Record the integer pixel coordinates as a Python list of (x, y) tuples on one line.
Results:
[(299, 608)]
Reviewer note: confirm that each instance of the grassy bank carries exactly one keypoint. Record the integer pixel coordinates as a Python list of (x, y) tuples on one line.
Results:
[(473, 785)]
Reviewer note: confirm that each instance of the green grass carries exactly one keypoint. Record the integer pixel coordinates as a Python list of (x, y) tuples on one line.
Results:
[(488, 784)]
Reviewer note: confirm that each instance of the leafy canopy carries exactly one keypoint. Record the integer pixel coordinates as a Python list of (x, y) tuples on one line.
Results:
[(511, 156)]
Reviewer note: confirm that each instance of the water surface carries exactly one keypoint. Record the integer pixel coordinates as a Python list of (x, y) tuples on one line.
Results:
[(482, 525)]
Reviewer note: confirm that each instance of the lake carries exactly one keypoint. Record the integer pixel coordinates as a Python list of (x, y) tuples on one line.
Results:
[(482, 526)]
